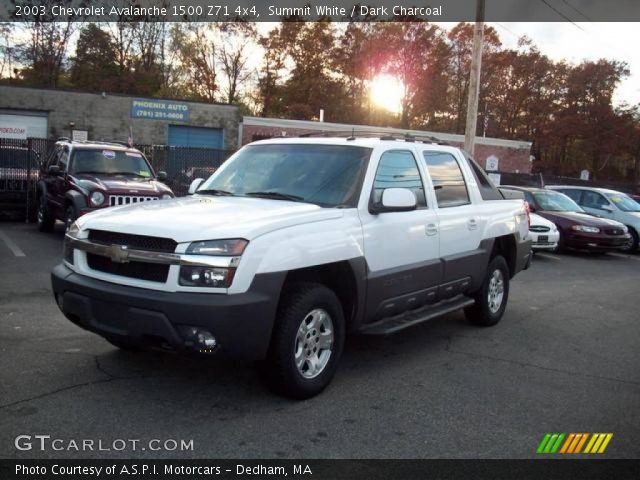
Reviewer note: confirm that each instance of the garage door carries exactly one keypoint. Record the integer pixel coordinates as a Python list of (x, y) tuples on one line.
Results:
[(182, 136), (34, 123)]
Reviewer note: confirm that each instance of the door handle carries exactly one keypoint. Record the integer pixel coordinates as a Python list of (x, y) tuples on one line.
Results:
[(431, 229), (472, 224)]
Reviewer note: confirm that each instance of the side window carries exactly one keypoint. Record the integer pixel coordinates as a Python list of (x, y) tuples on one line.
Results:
[(447, 178), (593, 200), (63, 160), (398, 169), (573, 194), (529, 199)]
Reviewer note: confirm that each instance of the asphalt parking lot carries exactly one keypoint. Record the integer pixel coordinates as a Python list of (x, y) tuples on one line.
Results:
[(565, 358)]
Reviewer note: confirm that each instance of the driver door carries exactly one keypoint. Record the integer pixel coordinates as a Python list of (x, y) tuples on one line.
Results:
[(402, 248)]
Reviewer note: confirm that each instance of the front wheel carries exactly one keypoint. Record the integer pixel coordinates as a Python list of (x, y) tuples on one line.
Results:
[(491, 299), (632, 246), (70, 216), (44, 218), (307, 341)]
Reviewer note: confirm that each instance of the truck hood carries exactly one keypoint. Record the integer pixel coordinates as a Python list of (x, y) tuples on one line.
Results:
[(120, 183), (188, 219)]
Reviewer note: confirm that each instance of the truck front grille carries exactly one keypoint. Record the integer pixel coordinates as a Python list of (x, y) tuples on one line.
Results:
[(115, 200), (139, 242), (151, 272)]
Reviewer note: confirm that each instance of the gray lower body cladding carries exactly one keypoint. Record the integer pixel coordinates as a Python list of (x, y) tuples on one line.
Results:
[(241, 323)]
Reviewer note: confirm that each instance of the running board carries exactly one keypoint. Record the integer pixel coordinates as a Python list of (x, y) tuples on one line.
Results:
[(409, 319)]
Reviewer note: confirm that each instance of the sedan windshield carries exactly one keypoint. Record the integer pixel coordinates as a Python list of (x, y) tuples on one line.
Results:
[(110, 162), (327, 175), (556, 202), (624, 202)]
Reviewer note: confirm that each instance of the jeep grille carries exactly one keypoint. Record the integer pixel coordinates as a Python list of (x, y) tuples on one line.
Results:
[(115, 200)]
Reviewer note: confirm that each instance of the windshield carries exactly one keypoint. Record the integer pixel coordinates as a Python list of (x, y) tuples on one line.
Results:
[(556, 202), (624, 202), (114, 162), (327, 175)]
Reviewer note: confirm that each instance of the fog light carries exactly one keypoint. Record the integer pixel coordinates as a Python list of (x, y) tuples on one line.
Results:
[(199, 338)]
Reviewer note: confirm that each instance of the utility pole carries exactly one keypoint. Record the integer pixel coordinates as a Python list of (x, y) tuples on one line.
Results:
[(474, 81)]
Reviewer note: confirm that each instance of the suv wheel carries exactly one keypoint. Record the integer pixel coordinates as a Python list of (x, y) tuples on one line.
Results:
[(307, 341), (44, 218), (70, 216), (491, 299)]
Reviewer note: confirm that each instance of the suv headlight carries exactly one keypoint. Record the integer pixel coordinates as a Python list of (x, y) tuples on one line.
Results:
[(230, 247), (213, 277), (96, 199), (585, 228)]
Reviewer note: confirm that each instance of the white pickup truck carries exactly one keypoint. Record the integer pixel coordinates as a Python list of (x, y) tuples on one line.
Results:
[(293, 243)]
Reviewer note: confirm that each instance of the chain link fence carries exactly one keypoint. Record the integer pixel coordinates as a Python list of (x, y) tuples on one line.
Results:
[(20, 162)]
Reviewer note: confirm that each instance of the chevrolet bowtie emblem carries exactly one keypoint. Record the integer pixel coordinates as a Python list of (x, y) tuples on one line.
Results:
[(119, 253)]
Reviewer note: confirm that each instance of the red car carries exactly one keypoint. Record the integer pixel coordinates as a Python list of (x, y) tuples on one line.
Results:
[(80, 177), (578, 229)]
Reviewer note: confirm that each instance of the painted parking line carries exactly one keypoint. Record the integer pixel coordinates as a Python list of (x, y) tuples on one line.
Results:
[(15, 249), (550, 256), (626, 257)]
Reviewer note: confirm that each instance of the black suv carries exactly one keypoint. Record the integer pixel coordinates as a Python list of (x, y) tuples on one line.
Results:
[(80, 177)]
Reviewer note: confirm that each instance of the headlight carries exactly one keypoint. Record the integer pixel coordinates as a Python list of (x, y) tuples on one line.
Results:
[(96, 199), (584, 228), (214, 277), (166, 196), (225, 248)]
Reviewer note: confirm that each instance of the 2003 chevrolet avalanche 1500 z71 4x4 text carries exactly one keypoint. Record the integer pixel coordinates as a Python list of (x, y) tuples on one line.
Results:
[(291, 244)]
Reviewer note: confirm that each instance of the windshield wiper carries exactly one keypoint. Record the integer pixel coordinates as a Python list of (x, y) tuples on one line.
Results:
[(276, 196), (213, 191), (128, 173)]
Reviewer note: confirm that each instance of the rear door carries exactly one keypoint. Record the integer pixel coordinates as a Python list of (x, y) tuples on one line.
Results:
[(461, 223), (401, 248)]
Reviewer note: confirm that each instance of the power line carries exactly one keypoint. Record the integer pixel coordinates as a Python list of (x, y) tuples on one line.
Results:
[(575, 9), (562, 14), (508, 30)]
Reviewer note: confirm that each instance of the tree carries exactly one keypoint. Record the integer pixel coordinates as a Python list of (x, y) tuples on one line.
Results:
[(94, 66)]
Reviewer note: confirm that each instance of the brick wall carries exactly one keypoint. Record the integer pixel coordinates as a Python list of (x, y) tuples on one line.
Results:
[(510, 159)]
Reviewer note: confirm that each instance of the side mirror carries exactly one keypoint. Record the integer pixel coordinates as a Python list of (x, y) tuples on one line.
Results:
[(161, 176), (607, 208), (195, 185), (396, 200), (54, 170)]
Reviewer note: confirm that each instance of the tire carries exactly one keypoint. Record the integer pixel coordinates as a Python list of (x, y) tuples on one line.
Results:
[(123, 344), (561, 248), (70, 216), (309, 316), (633, 243), (491, 299), (44, 218)]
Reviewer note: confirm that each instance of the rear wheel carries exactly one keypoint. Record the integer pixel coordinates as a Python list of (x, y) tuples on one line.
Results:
[(491, 299), (307, 341), (44, 218)]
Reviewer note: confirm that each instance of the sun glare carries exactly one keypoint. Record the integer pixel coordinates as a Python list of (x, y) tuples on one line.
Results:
[(386, 91)]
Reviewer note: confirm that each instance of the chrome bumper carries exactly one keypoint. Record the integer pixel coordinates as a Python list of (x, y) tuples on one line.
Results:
[(123, 254)]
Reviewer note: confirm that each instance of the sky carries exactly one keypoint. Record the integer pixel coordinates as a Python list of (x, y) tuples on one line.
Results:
[(584, 41)]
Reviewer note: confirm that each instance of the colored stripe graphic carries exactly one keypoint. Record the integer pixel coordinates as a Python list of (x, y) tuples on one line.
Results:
[(550, 443), (574, 442)]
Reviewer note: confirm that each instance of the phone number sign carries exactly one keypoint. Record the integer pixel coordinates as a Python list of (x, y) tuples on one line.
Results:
[(159, 110)]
